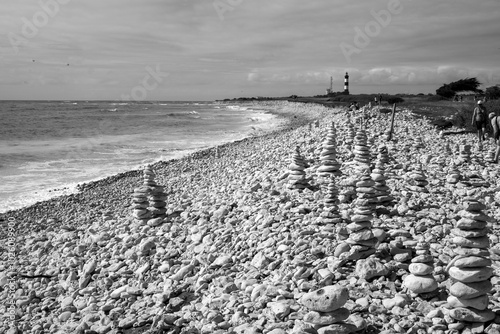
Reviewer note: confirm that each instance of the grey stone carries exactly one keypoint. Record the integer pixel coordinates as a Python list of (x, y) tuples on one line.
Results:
[(466, 275), (370, 268), (326, 299), (327, 318), (472, 315)]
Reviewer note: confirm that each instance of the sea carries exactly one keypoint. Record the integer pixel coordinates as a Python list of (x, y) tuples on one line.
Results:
[(47, 148)]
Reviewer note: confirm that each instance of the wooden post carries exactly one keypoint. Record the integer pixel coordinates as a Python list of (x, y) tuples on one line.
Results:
[(391, 130)]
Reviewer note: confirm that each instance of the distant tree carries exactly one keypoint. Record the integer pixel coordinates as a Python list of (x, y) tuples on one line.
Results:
[(449, 90), (493, 92), (394, 99)]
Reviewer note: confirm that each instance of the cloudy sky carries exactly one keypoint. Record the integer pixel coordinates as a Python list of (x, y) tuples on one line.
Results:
[(214, 49)]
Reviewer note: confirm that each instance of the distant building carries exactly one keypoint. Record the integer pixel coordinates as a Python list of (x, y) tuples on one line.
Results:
[(346, 86), (346, 83)]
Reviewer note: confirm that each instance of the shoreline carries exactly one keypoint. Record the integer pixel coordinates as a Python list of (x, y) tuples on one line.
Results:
[(284, 122), (72, 188)]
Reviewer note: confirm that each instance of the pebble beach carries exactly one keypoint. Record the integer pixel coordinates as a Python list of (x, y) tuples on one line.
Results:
[(243, 248)]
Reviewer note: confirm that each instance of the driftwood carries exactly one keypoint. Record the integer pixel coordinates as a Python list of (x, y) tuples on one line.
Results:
[(391, 130)]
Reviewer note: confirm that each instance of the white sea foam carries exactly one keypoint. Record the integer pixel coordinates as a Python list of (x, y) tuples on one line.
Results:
[(38, 168)]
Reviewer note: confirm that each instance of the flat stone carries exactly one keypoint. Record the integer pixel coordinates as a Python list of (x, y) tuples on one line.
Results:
[(475, 274), (472, 315), (361, 218), (471, 251), (424, 258), (470, 290), (340, 328), (361, 235), (480, 242), (472, 261), (420, 284), (480, 303), (473, 206), (365, 190), (469, 233), (420, 269), (470, 224), (326, 318), (326, 299), (370, 243), (361, 211), (353, 227), (475, 215)]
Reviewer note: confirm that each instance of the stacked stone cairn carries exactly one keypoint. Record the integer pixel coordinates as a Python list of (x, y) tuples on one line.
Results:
[(383, 154), (361, 150), (418, 180), (453, 174), (330, 214), (418, 143), (326, 313), (140, 202), (420, 280), (382, 191), (361, 240), (447, 149), (490, 154), (465, 153), (297, 175), (157, 204), (328, 157), (350, 134), (371, 143), (348, 190), (470, 271), (149, 177)]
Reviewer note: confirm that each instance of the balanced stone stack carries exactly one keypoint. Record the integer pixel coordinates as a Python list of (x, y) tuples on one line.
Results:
[(326, 313), (471, 269), (382, 191), (418, 180), (361, 241), (297, 175), (157, 204), (361, 150), (453, 174), (140, 203), (350, 133), (331, 213), (371, 143), (465, 153), (348, 190), (447, 149), (420, 280), (418, 143), (383, 154), (328, 157), (490, 154), (149, 176)]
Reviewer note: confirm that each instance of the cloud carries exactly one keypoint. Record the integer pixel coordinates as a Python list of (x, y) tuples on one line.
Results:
[(291, 44)]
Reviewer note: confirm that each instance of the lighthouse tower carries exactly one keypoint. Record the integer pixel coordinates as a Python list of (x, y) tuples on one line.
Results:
[(346, 83)]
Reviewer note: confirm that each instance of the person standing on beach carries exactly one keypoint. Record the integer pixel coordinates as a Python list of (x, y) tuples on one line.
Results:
[(495, 125), (480, 120)]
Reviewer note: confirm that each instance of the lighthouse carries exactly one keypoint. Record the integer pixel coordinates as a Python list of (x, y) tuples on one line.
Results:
[(346, 83)]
